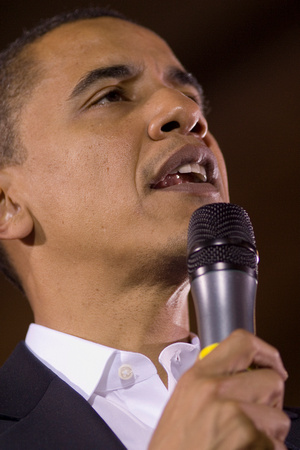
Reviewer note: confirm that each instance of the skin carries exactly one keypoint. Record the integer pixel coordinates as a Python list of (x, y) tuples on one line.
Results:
[(91, 239), (86, 181)]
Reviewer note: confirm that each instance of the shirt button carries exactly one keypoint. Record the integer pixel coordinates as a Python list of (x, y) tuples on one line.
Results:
[(125, 372)]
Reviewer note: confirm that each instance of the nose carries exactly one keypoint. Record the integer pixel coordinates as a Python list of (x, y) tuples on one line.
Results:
[(174, 112)]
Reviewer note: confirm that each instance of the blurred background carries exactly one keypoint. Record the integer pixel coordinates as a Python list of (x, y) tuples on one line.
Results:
[(246, 54)]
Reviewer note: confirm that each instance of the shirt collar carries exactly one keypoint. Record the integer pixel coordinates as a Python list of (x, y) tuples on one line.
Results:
[(177, 358), (87, 366)]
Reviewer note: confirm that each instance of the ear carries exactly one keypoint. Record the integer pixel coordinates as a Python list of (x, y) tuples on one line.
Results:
[(15, 219)]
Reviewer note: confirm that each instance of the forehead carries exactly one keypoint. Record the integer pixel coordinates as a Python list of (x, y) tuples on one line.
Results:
[(86, 43)]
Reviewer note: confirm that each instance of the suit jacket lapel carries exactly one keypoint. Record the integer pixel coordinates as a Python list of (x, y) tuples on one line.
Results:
[(39, 410)]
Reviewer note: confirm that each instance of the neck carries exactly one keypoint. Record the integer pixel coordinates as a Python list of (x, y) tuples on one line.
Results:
[(103, 308)]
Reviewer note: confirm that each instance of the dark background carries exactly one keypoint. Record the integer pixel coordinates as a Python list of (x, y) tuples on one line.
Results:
[(246, 55)]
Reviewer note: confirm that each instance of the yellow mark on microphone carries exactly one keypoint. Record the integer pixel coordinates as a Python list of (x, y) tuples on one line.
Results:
[(206, 350)]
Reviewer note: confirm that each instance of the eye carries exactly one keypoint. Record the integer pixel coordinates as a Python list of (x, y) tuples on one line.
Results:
[(194, 97), (112, 96), (200, 101)]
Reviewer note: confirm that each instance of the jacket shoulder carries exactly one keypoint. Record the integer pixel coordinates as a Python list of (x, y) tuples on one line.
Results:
[(39, 410), (23, 382), (293, 439)]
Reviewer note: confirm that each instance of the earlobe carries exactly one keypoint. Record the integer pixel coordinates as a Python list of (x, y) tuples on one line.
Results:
[(15, 219)]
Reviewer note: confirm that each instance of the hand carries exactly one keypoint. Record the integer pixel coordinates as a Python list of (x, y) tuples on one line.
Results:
[(220, 404)]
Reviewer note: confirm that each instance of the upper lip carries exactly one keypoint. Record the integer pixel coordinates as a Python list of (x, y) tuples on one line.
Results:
[(188, 154)]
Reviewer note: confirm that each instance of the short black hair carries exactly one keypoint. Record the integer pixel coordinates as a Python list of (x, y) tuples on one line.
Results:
[(18, 71)]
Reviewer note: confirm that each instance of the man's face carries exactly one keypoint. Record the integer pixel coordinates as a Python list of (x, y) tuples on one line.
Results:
[(101, 179)]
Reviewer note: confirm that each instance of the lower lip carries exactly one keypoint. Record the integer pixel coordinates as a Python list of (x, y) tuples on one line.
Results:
[(198, 189)]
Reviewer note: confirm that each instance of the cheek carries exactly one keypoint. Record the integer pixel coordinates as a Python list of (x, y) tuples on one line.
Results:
[(105, 162), (78, 169), (223, 172), (213, 145), (89, 183)]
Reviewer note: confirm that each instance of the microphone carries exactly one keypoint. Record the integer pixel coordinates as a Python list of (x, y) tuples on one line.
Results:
[(223, 267)]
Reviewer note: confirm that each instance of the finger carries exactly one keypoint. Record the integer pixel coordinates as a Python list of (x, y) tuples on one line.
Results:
[(260, 386), (271, 421), (278, 445), (238, 431), (215, 425), (260, 442), (238, 352)]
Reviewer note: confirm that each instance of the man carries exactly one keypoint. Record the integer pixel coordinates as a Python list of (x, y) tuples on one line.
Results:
[(108, 154)]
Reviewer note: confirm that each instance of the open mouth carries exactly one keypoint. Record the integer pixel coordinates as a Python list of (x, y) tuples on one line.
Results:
[(192, 169), (185, 173)]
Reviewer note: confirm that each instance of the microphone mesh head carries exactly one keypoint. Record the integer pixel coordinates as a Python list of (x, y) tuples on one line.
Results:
[(220, 221)]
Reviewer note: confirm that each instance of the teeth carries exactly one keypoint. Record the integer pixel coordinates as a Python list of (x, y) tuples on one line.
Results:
[(187, 168), (200, 170), (192, 168)]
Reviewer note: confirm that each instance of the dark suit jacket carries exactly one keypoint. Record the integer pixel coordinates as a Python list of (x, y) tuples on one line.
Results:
[(39, 411)]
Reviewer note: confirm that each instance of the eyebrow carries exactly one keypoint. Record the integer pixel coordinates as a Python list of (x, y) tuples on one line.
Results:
[(118, 72), (122, 71), (184, 78)]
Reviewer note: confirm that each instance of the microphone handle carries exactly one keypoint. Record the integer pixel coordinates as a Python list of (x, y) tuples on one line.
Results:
[(224, 300)]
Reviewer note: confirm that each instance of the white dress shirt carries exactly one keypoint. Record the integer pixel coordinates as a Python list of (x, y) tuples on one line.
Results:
[(123, 387)]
